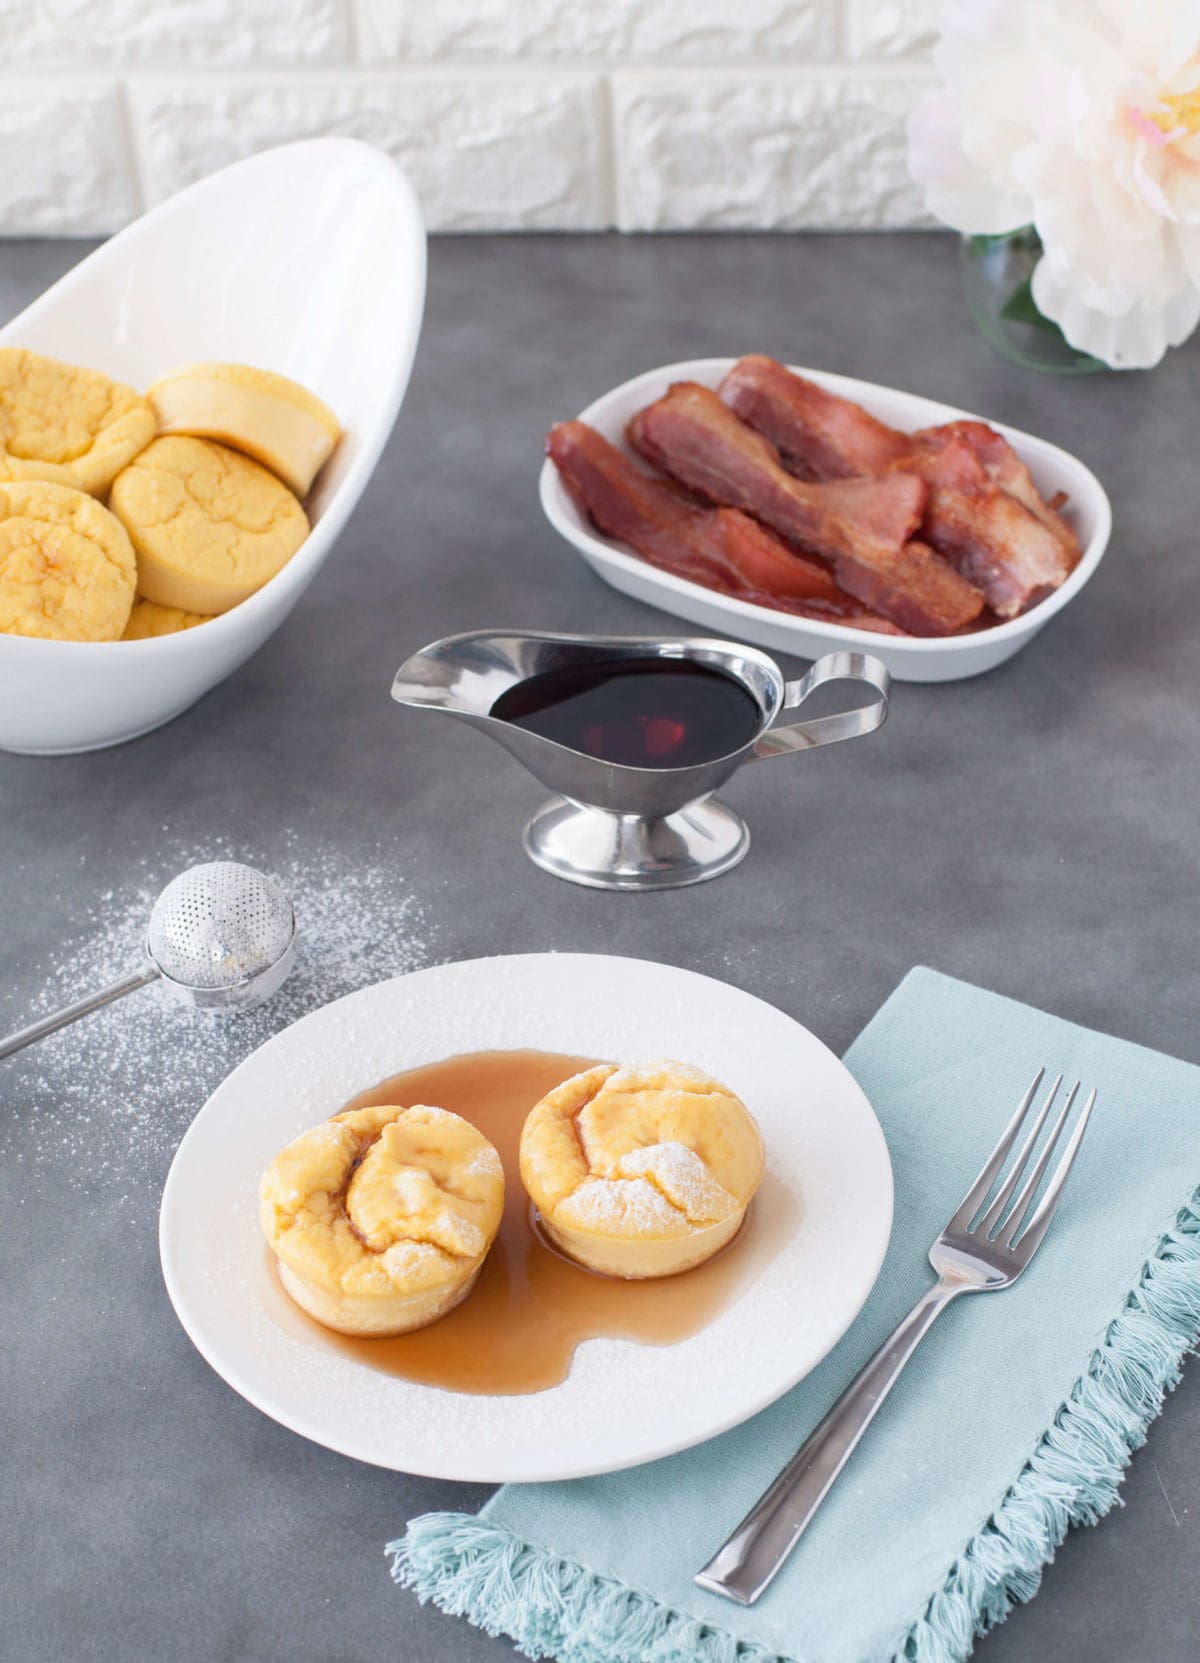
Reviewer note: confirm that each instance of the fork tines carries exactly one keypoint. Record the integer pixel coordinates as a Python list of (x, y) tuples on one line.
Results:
[(1005, 1216)]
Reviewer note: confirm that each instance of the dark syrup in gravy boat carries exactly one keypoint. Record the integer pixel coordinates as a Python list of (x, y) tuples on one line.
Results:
[(640, 712), (633, 734)]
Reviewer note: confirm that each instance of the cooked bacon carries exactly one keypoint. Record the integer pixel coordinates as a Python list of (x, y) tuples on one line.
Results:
[(860, 618), (692, 436), (658, 520), (817, 434), (875, 506), (1005, 469), (993, 539), (997, 544), (720, 548), (915, 588), (944, 461), (1014, 562), (860, 526)]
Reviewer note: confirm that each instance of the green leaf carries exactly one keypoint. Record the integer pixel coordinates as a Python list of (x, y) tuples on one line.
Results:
[(1020, 307), (982, 243)]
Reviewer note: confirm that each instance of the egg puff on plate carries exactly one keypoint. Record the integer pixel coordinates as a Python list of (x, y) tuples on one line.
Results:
[(328, 290)]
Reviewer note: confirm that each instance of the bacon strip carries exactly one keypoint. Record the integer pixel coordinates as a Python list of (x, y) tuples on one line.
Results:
[(944, 460), (720, 548), (861, 526), (818, 434), (983, 514), (1005, 469), (992, 537), (997, 544)]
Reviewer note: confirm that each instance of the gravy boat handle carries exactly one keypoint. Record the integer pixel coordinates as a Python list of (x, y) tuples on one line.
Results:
[(827, 730)]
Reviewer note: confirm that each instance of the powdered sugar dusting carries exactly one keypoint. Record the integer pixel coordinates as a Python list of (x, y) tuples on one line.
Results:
[(621, 1206), (662, 1189), (683, 1179), (105, 1101), (651, 1076)]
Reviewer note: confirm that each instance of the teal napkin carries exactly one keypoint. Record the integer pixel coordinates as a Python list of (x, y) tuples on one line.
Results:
[(1013, 1421)]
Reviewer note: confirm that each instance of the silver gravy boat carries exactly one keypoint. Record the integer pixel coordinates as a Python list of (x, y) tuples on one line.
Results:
[(611, 826)]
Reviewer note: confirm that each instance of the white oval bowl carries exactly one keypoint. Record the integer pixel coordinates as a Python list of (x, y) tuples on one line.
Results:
[(308, 260), (947, 658)]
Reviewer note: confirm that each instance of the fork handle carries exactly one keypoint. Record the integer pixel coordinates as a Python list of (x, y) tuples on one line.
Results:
[(758, 1547)]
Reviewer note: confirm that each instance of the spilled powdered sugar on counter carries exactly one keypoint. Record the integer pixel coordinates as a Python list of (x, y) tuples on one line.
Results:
[(103, 1103)]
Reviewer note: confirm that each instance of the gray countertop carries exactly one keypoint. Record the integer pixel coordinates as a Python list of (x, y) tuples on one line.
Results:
[(1033, 830)]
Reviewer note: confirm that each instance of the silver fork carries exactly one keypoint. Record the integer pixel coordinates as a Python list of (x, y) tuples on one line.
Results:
[(970, 1256)]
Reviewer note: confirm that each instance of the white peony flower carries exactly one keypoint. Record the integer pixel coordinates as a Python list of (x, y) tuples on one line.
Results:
[(1081, 118)]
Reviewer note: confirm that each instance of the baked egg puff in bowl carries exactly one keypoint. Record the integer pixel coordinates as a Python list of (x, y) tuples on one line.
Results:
[(308, 262)]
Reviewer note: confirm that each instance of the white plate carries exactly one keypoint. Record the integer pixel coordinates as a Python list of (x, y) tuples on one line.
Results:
[(822, 1225), (948, 659), (308, 260)]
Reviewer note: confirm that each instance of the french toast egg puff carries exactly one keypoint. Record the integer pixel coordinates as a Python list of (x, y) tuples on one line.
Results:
[(148, 619), (67, 424), (67, 567), (273, 419), (210, 526), (641, 1171), (380, 1218)]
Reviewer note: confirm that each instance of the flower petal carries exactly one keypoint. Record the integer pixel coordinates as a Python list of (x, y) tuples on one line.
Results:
[(1137, 339), (1072, 116), (957, 191)]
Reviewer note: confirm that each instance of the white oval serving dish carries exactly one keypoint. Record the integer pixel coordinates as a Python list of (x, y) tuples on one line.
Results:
[(950, 658), (308, 260)]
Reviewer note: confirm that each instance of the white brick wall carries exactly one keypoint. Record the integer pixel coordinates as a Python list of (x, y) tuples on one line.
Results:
[(507, 114)]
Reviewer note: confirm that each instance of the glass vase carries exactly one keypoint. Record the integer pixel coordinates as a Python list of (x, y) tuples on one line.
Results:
[(997, 275)]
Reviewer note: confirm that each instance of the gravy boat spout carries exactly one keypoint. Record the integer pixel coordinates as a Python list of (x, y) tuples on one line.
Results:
[(615, 824)]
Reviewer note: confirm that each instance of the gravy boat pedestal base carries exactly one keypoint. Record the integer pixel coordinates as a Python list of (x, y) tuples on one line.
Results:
[(615, 826), (604, 850)]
